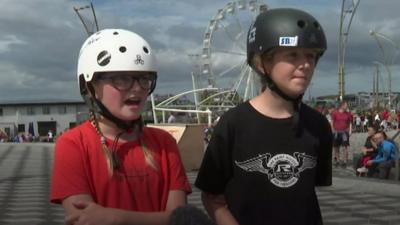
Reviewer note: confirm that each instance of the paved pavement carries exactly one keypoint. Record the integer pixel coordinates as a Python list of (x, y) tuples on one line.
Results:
[(25, 177)]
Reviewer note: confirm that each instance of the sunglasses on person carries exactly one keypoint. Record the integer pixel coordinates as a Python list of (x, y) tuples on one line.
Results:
[(124, 82)]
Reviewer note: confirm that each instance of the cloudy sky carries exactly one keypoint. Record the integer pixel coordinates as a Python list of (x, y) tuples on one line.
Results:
[(40, 41)]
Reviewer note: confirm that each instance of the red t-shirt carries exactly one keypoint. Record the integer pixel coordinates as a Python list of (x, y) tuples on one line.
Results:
[(385, 115), (341, 120), (81, 168)]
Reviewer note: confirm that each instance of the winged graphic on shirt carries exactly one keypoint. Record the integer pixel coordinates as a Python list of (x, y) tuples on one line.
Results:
[(299, 163), (257, 164), (305, 162)]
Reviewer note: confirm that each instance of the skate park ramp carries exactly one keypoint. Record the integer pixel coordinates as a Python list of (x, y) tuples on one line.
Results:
[(189, 138)]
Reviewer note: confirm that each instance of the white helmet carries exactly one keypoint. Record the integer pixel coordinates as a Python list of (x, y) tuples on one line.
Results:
[(114, 50)]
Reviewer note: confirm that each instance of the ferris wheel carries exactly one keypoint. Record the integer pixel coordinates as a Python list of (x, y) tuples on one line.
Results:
[(221, 78), (223, 57)]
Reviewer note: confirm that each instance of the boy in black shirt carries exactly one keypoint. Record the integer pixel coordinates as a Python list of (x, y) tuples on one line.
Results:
[(267, 155), (369, 152)]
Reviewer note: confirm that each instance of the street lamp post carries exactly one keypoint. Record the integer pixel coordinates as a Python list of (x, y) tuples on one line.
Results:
[(376, 84), (343, 36), (386, 61), (85, 22)]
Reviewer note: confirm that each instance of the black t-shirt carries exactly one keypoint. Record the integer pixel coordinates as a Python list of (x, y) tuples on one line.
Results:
[(368, 144), (268, 173)]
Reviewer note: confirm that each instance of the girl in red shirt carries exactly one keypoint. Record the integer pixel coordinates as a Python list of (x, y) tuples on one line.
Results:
[(111, 169)]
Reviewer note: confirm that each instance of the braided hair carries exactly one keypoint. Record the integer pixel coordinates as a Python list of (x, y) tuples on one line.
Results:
[(110, 154)]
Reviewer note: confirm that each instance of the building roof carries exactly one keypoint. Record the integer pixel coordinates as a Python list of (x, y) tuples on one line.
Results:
[(41, 102)]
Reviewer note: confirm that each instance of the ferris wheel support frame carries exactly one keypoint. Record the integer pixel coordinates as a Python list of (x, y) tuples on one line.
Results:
[(216, 23)]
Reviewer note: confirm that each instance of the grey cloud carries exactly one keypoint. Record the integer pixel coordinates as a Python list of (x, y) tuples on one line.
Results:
[(52, 34)]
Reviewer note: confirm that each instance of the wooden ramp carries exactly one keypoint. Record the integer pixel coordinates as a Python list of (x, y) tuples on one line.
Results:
[(190, 142)]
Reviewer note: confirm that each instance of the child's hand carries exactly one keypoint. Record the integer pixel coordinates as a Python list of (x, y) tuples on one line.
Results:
[(90, 213), (364, 151)]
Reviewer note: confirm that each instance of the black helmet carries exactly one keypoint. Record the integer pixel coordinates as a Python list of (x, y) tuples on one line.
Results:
[(284, 27)]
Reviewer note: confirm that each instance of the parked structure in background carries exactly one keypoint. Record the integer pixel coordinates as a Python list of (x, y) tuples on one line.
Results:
[(361, 100), (38, 117)]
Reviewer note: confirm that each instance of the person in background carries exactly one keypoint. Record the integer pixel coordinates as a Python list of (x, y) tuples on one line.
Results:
[(377, 119), (368, 152), (385, 158), (3, 136), (342, 127), (172, 118), (50, 136), (358, 123), (385, 125)]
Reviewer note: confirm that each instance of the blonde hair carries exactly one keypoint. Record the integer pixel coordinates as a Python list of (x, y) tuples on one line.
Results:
[(148, 155), (258, 60), (112, 159)]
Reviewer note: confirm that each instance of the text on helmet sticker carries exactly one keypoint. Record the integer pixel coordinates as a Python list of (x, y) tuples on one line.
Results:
[(92, 40), (252, 35), (288, 41)]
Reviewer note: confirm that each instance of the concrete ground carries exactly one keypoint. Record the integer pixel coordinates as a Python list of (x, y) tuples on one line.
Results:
[(25, 172)]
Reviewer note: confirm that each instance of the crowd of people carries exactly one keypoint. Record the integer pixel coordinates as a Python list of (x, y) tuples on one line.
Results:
[(27, 137), (384, 119), (378, 156), (379, 153)]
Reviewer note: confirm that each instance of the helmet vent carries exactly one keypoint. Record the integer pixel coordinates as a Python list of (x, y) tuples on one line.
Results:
[(122, 49), (316, 25), (145, 49), (301, 23), (115, 33), (103, 58)]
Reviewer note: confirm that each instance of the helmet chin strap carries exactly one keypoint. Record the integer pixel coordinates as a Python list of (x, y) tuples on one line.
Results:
[(100, 108), (273, 87), (123, 125), (297, 123)]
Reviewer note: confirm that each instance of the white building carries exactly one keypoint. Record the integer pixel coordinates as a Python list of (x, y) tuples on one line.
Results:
[(39, 117)]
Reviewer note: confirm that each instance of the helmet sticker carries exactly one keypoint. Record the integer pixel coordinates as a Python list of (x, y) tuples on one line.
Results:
[(139, 60), (252, 35), (288, 41), (103, 58), (93, 40)]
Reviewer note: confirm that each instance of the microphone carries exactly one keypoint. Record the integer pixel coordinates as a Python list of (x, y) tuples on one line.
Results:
[(189, 215)]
